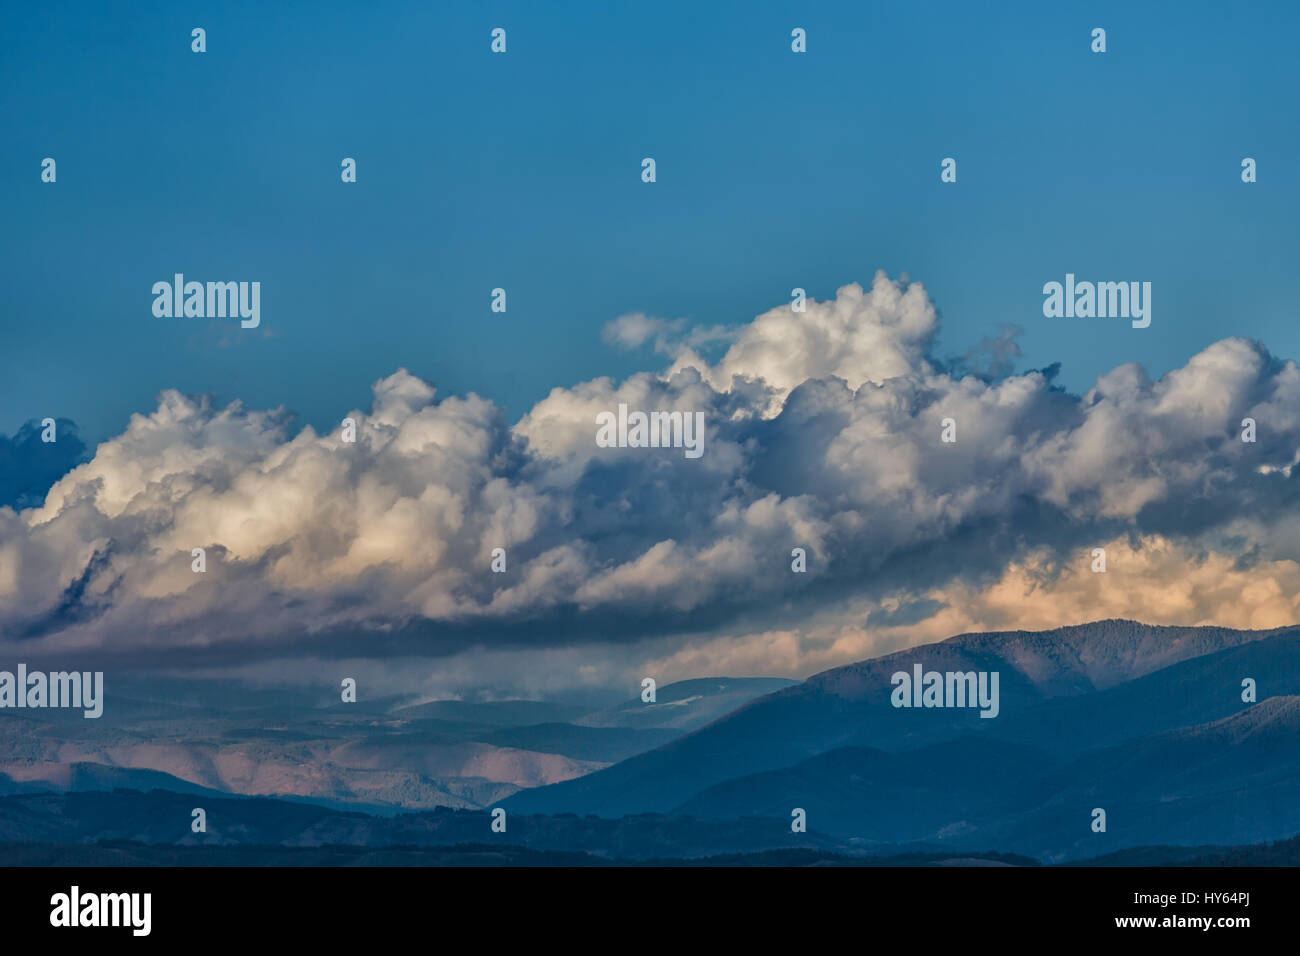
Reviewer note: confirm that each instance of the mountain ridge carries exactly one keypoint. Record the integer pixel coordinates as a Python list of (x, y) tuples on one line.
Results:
[(849, 706)]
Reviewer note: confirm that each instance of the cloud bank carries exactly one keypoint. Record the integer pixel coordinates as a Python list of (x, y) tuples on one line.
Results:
[(823, 433)]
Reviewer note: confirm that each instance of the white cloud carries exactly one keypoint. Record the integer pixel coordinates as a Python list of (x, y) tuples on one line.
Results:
[(822, 432)]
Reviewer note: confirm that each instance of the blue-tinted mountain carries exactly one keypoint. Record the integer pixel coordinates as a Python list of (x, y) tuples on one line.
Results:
[(1068, 688)]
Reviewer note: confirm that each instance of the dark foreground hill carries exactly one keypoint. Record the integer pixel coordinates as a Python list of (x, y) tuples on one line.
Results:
[(164, 818), (128, 853)]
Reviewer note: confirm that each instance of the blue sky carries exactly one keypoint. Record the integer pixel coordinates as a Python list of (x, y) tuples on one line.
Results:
[(775, 170)]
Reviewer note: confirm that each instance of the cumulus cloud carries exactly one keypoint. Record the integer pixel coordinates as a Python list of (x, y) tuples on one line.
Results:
[(822, 433), (669, 336)]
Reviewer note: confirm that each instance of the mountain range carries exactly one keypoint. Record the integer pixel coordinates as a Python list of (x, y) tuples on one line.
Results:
[(381, 755), (1181, 736), (1146, 723)]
